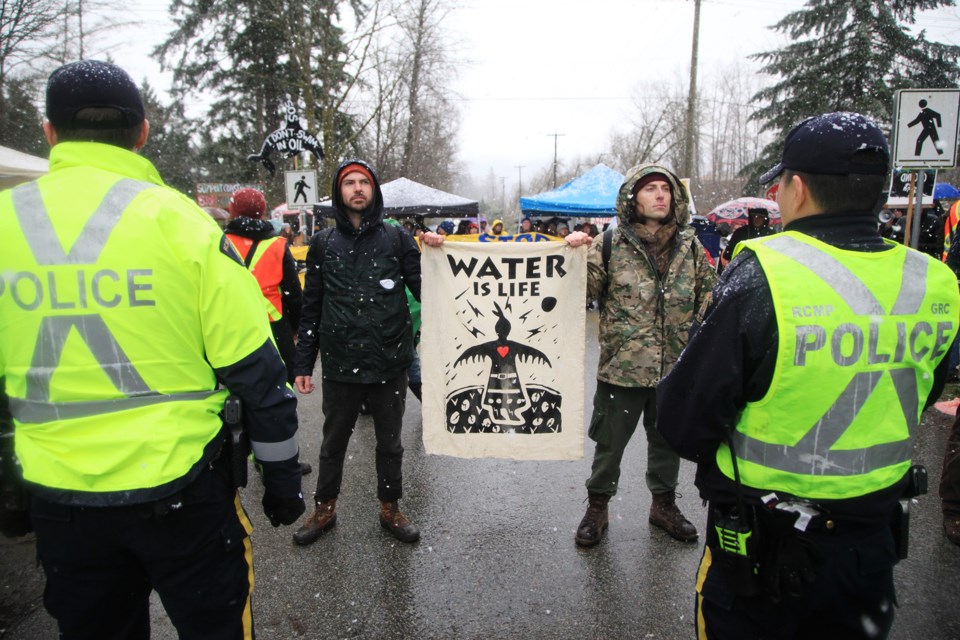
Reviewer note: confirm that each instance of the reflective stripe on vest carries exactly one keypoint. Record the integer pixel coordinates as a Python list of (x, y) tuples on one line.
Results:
[(857, 345), (37, 229), (267, 268)]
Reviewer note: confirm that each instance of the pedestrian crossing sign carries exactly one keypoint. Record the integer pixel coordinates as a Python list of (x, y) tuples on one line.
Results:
[(301, 187), (925, 128)]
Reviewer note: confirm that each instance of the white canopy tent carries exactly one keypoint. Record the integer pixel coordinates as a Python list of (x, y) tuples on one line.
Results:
[(17, 167)]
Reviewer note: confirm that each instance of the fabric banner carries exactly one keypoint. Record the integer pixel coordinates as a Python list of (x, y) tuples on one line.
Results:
[(530, 236), (502, 349)]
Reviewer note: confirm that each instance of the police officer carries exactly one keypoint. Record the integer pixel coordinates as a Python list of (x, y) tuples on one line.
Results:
[(821, 349), (125, 317)]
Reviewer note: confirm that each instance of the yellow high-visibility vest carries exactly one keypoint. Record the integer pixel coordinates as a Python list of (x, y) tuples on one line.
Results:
[(860, 335), (118, 299)]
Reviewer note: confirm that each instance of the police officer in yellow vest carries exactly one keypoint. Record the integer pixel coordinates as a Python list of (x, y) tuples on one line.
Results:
[(820, 351), (125, 317)]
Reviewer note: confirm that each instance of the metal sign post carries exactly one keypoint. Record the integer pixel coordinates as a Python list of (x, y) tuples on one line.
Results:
[(917, 210)]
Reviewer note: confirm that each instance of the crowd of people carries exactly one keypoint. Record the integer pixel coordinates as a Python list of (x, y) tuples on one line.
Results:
[(140, 375), (559, 228)]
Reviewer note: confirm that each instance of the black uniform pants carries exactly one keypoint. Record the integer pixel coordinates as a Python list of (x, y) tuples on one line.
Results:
[(192, 548), (341, 408), (851, 597)]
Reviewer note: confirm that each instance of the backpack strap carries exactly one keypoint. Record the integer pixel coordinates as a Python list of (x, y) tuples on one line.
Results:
[(253, 250), (325, 240), (395, 239), (607, 248), (605, 251)]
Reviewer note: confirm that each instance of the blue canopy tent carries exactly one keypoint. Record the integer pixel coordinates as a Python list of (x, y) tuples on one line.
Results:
[(591, 195)]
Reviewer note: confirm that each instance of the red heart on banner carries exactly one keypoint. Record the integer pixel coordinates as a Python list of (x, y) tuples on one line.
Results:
[(503, 351)]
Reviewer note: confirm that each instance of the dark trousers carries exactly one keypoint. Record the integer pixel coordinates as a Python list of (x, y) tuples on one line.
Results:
[(852, 596), (950, 479), (616, 412), (102, 563), (341, 407), (283, 336)]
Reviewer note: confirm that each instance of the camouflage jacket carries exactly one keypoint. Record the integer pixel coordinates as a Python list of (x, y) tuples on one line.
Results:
[(645, 320)]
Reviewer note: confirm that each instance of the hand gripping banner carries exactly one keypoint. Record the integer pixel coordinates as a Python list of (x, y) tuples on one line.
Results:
[(502, 350)]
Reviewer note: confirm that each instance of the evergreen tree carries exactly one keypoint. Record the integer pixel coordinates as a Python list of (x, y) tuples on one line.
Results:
[(250, 56), (169, 145), (20, 126), (846, 55)]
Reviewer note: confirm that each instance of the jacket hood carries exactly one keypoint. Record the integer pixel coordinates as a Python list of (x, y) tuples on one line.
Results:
[(372, 215), (253, 228), (680, 205)]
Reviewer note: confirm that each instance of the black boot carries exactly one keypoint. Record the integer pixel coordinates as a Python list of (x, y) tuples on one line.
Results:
[(594, 521)]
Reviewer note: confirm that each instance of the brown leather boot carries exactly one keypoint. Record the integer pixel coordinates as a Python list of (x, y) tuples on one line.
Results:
[(665, 514), (951, 527), (393, 520), (322, 519), (594, 521)]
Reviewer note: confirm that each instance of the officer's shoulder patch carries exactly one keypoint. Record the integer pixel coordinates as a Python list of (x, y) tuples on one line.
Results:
[(227, 249)]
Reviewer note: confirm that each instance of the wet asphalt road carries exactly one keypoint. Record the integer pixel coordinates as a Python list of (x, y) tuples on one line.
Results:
[(496, 558)]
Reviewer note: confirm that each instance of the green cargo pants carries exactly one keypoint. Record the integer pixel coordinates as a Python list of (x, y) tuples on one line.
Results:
[(616, 412)]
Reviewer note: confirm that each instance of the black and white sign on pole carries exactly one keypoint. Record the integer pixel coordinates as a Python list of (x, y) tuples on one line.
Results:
[(301, 187), (925, 123)]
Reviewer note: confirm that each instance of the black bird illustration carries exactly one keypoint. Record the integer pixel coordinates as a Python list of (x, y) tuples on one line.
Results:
[(504, 397)]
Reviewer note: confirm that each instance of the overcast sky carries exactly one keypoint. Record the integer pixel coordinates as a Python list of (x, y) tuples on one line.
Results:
[(532, 68)]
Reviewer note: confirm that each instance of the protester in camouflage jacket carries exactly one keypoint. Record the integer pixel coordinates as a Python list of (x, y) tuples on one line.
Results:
[(643, 331), (656, 282)]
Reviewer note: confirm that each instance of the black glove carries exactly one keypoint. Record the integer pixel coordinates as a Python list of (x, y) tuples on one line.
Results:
[(283, 510)]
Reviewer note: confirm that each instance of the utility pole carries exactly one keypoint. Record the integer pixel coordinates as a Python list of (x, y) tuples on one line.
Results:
[(690, 148), (555, 136), (503, 195), (519, 191)]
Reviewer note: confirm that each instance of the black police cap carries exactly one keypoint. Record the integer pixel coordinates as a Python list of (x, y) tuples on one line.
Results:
[(834, 144), (92, 83)]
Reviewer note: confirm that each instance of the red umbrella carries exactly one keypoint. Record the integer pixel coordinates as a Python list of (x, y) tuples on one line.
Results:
[(734, 212)]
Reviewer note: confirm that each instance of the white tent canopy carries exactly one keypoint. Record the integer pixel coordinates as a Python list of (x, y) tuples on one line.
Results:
[(404, 197), (17, 167)]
